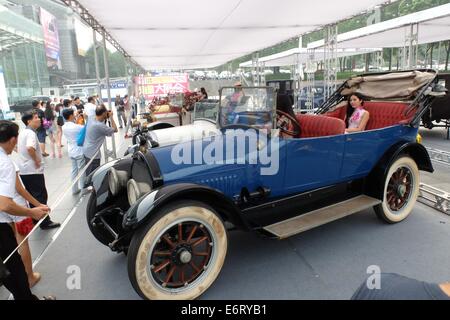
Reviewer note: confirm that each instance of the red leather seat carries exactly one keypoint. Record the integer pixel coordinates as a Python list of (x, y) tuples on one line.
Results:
[(384, 114), (319, 126), (339, 113)]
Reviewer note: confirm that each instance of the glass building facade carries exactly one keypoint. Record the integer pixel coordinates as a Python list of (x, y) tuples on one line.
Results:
[(22, 55)]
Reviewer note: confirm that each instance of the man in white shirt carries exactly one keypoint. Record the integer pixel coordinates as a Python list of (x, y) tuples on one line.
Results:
[(71, 131), (89, 108), (30, 163), (17, 281)]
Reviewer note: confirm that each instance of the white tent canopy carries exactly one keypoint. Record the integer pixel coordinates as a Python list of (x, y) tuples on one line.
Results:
[(434, 25), (204, 33), (293, 56)]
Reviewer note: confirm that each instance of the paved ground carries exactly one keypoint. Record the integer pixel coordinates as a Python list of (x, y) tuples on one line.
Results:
[(435, 138), (328, 262)]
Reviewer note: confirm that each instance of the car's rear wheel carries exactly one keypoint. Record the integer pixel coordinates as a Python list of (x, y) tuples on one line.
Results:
[(179, 253), (401, 189), (99, 233)]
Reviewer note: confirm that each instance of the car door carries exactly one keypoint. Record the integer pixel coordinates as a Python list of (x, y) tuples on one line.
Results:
[(312, 162), (363, 150)]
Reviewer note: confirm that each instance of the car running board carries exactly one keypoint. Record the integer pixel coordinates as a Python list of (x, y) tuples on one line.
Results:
[(321, 216)]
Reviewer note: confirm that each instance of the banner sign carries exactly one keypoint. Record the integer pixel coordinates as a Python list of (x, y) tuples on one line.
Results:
[(51, 39), (83, 35), (162, 85)]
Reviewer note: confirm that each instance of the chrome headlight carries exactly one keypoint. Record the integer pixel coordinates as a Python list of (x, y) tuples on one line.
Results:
[(135, 190), (117, 180)]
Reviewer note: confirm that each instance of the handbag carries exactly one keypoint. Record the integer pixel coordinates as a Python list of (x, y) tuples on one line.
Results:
[(81, 136)]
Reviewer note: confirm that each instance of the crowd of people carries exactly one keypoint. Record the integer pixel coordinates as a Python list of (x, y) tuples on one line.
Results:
[(23, 192)]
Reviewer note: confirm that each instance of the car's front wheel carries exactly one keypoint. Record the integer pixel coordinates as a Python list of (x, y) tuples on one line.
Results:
[(401, 189), (179, 253)]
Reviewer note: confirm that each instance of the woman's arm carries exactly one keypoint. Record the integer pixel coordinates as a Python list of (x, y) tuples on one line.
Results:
[(362, 124)]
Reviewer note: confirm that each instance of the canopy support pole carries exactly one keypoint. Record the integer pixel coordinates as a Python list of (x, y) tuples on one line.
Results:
[(410, 47), (378, 60), (298, 74), (310, 73), (108, 153), (330, 59), (258, 71), (97, 68)]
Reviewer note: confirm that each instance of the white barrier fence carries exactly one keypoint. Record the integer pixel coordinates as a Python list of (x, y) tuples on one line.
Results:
[(435, 198)]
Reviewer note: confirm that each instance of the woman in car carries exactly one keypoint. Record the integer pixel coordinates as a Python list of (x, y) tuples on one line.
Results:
[(359, 117)]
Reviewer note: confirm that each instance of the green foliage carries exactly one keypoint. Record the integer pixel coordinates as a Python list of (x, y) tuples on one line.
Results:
[(116, 63)]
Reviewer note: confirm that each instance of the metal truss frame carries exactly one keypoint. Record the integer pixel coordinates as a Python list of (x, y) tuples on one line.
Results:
[(409, 51), (310, 80), (330, 60), (258, 76)]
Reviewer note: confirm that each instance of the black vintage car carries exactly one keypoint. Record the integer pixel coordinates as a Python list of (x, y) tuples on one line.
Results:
[(439, 111), (22, 106)]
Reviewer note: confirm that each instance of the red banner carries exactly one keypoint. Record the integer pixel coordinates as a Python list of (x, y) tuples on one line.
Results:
[(51, 39), (162, 85)]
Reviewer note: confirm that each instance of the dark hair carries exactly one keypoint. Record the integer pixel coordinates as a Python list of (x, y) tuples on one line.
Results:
[(35, 103), (66, 102), (48, 113), (8, 130), (28, 116), (76, 98), (58, 107), (90, 99), (358, 95), (349, 106), (101, 109), (67, 113)]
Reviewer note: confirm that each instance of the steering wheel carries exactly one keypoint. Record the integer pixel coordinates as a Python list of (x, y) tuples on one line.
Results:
[(285, 121)]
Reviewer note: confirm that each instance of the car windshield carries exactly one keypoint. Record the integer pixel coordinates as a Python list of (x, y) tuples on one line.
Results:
[(206, 109), (176, 99), (247, 106)]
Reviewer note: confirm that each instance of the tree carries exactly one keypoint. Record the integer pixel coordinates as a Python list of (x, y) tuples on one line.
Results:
[(447, 50), (116, 63)]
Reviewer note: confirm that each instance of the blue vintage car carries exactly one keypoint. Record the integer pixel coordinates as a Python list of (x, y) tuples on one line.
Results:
[(269, 171)]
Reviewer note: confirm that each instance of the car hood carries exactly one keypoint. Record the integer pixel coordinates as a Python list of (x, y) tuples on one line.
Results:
[(197, 130)]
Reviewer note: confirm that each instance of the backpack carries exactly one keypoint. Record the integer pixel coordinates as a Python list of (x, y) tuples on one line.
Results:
[(60, 120), (81, 136), (47, 124)]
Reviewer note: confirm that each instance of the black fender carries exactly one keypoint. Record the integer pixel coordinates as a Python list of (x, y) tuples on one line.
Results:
[(99, 178), (374, 184), (159, 125), (149, 204)]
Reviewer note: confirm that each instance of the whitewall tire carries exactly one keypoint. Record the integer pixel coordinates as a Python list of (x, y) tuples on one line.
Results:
[(401, 189)]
